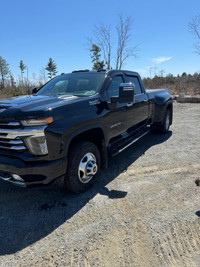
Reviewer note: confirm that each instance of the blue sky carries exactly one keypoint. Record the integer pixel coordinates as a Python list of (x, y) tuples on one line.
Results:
[(36, 30)]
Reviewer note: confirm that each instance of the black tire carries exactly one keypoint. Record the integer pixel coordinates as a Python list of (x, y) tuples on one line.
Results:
[(83, 166), (164, 126)]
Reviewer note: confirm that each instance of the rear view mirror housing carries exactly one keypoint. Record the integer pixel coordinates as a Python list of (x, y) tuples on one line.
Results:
[(126, 93), (34, 90)]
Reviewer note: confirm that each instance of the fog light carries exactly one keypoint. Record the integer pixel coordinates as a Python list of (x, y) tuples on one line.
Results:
[(37, 145)]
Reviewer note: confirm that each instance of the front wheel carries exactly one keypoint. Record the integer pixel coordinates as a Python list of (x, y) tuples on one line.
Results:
[(83, 166)]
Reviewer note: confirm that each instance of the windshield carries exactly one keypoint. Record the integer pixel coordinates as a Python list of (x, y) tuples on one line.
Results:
[(77, 84)]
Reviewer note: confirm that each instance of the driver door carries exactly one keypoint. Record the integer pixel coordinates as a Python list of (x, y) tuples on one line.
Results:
[(120, 118)]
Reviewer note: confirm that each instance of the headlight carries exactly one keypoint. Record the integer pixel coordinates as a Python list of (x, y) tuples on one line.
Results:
[(37, 145), (36, 122), (36, 141)]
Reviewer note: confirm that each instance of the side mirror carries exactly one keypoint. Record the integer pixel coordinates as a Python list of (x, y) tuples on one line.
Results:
[(126, 93), (34, 90)]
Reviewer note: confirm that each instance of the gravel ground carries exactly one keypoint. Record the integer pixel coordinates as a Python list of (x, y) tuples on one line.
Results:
[(143, 211)]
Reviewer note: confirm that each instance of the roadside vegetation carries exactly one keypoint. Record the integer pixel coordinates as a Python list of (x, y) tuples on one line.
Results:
[(185, 83)]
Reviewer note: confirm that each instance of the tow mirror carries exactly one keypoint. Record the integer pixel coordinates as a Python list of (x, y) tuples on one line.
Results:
[(34, 90), (126, 93)]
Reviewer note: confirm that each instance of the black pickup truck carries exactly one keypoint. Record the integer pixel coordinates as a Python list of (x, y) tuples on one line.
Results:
[(69, 127)]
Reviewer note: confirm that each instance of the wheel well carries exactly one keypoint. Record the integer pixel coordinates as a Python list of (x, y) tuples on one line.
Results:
[(95, 136)]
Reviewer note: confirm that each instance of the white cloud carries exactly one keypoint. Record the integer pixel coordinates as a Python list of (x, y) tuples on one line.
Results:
[(161, 59)]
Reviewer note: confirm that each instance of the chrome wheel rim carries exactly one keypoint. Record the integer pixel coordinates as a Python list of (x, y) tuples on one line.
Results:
[(87, 168), (167, 121)]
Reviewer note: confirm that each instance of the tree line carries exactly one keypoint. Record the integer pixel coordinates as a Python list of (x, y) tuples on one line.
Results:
[(7, 78), (185, 83)]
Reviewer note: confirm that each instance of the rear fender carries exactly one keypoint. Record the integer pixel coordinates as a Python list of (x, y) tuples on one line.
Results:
[(161, 103)]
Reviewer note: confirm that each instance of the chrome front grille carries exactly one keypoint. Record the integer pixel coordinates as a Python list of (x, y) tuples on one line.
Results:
[(9, 139), (10, 144), (10, 125)]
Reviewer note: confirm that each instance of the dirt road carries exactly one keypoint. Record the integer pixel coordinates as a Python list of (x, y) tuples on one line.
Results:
[(143, 211)]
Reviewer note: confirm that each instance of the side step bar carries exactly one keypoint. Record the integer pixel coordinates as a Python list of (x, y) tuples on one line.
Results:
[(129, 142)]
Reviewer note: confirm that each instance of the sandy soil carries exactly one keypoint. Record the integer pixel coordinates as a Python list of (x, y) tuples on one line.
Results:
[(143, 211)]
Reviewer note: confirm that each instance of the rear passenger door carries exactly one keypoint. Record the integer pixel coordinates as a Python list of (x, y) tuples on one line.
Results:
[(140, 105)]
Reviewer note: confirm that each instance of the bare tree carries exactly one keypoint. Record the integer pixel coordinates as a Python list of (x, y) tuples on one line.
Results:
[(4, 71), (124, 48), (103, 36), (12, 81), (43, 77), (194, 27), (161, 73), (27, 73)]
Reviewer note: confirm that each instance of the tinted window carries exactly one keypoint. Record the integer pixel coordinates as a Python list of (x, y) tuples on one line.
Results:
[(78, 84), (113, 89), (134, 80)]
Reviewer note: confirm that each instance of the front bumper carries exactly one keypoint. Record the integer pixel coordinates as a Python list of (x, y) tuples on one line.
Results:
[(28, 173)]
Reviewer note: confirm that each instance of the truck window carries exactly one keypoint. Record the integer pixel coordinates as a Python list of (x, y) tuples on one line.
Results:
[(113, 89), (134, 80)]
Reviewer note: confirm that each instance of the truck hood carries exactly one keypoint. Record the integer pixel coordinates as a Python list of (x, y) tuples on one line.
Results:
[(33, 101), (34, 105)]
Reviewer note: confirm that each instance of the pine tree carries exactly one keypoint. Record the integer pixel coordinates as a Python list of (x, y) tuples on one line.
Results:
[(95, 56), (4, 71), (51, 68), (22, 68)]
